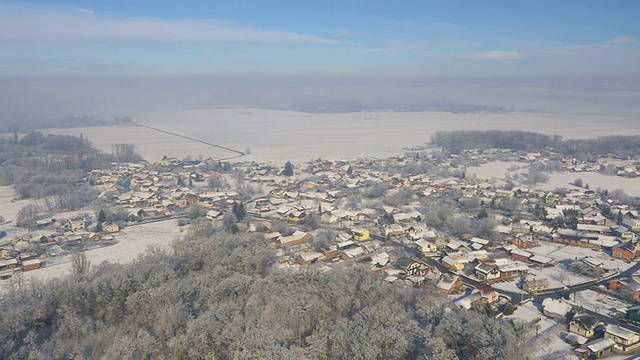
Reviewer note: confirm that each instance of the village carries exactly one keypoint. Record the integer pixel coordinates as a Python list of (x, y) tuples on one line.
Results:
[(561, 261)]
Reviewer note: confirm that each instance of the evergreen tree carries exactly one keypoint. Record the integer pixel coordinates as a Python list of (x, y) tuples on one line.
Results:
[(350, 171), (238, 210), (102, 217), (288, 169), (619, 216)]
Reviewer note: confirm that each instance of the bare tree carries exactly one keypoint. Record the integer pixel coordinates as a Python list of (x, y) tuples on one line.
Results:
[(26, 216), (80, 265), (125, 153)]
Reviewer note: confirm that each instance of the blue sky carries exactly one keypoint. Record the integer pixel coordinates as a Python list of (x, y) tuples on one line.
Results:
[(456, 49)]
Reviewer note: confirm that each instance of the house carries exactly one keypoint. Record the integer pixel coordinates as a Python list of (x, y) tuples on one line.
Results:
[(32, 264), (450, 284), (487, 272), (406, 218), (521, 255), (272, 236), (555, 308), (601, 229), (511, 270), (308, 257), (478, 243), (352, 253), (572, 237), (487, 294), (534, 286), (7, 264), (380, 260), (452, 264), (110, 227), (296, 216), (76, 224), (425, 246), (542, 260), (524, 241), (152, 212), (630, 287), (45, 222), (409, 267), (596, 348), (342, 237), (625, 339), (585, 325), (625, 250), (5, 251), (469, 301), (328, 252), (593, 263), (294, 239), (631, 224), (393, 230), (360, 234)]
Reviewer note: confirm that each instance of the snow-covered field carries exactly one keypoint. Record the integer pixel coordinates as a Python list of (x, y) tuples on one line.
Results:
[(595, 180), (132, 241), (598, 302), (498, 169), (561, 252), (277, 136), (8, 207)]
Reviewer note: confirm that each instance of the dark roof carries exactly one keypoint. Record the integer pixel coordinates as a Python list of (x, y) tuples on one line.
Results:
[(486, 267), (626, 245), (587, 321), (403, 263)]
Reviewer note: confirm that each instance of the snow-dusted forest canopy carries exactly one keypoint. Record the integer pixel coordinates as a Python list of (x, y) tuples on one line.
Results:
[(215, 295)]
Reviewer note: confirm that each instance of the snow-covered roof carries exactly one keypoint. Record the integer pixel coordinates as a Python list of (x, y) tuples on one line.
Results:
[(620, 332), (310, 255), (599, 345), (555, 307), (575, 338), (541, 259)]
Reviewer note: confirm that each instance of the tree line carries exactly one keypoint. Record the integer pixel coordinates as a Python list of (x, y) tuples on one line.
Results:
[(218, 295), (30, 124), (531, 141)]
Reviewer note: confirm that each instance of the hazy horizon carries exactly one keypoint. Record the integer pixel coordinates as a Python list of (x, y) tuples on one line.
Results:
[(117, 59)]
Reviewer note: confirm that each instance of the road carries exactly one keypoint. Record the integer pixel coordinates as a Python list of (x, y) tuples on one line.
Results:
[(238, 152), (516, 297)]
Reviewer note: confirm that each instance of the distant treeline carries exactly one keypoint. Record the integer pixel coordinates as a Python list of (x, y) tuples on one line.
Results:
[(223, 297), (25, 125), (531, 141)]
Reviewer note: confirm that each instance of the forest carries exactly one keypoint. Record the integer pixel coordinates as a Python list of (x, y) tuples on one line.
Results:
[(219, 295), (626, 146)]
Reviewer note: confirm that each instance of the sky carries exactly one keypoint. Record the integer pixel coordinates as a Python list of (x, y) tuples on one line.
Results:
[(116, 57)]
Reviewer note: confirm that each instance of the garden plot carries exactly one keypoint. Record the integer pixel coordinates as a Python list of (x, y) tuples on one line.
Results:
[(560, 252), (598, 302)]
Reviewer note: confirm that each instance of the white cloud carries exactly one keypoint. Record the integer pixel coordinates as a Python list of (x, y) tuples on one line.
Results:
[(623, 40), (86, 11), (491, 55), (56, 26), (397, 47)]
